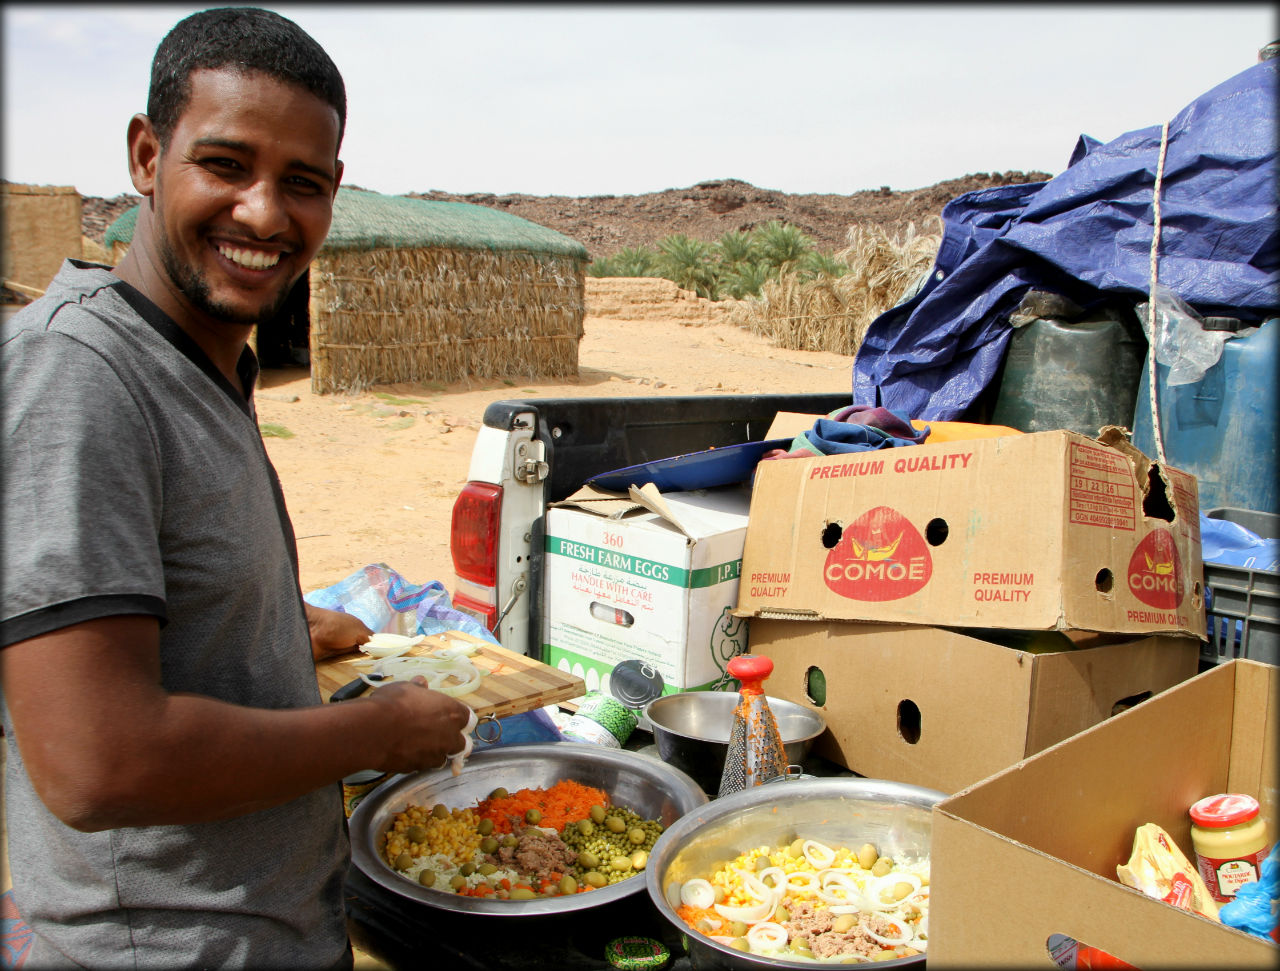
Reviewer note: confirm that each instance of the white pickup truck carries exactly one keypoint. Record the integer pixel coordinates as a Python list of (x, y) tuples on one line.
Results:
[(534, 452)]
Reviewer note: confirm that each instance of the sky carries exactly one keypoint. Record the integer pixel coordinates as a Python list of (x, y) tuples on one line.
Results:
[(621, 99)]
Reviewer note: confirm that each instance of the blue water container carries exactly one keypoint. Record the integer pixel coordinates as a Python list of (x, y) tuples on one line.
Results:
[(1221, 429)]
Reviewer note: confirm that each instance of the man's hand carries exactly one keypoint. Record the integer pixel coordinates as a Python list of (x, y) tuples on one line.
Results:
[(333, 632)]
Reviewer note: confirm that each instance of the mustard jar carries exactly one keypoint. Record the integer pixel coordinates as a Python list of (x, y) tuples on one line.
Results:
[(1230, 840)]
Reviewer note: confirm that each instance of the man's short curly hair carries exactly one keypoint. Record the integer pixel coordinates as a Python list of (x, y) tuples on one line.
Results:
[(243, 39)]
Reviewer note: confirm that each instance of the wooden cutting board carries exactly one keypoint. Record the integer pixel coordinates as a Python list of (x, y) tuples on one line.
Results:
[(514, 683)]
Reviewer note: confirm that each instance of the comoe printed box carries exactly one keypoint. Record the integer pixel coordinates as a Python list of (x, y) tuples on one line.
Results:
[(650, 577), (1046, 531)]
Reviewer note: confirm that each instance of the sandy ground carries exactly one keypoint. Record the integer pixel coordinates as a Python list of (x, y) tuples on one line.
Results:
[(371, 477)]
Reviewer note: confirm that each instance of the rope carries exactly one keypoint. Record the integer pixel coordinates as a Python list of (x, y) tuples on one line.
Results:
[(1151, 297)]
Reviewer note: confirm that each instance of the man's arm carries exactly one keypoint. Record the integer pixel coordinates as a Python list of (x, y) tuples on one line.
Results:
[(107, 746)]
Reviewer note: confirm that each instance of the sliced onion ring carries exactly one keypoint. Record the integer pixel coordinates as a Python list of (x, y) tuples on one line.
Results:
[(751, 914), (697, 893), (906, 937), (874, 890), (767, 936), (819, 855)]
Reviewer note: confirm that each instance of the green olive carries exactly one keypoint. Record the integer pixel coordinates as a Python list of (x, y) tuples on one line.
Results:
[(404, 861), (740, 944), (620, 864), (881, 866), (510, 841), (499, 793), (844, 923), (704, 925), (427, 877), (486, 869), (781, 914), (597, 814), (588, 860), (467, 869), (522, 893), (637, 835), (484, 827), (533, 817), (901, 889), (488, 845), (568, 884), (763, 863), (639, 860), (800, 951), (867, 855), (586, 827), (615, 824), (440, 811), (738, 928), (719, 895), (796, 848), (416, 834), (595, 878), (457, 881)]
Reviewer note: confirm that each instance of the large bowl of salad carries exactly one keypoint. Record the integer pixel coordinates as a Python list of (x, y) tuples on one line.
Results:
[(795, 872)]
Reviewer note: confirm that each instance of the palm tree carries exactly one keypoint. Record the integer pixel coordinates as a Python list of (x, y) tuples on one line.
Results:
[(688, 263)]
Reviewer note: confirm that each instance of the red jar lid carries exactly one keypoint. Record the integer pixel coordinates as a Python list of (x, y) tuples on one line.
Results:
[(1224, 809)]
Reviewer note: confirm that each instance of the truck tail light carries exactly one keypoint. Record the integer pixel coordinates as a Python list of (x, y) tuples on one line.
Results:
[(486, 613), (473, 535)]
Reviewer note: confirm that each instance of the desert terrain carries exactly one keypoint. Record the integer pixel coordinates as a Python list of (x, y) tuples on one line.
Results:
[(371, 477)]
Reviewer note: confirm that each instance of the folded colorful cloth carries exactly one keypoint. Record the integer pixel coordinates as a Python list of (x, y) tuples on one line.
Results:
[(856, 428)]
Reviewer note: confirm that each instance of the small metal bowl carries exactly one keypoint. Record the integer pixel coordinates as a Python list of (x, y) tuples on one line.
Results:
[(692, 729), (638, 782), (895, 817)]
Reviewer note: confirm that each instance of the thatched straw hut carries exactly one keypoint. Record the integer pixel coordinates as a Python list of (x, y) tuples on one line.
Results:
[(414, 290)]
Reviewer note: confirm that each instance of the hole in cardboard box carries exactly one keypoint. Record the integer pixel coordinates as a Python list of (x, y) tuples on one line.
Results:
[(1124, 704), (1155, 503), (909, 721), (611, 615), (936, 532), (1067, 952), (831, 534), (1103, 581), (815, 686)]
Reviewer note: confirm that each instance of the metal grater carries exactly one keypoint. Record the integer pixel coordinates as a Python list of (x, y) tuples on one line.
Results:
[(756, 754)]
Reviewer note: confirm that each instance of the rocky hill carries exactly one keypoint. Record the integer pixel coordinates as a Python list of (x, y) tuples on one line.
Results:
[(606, 224)]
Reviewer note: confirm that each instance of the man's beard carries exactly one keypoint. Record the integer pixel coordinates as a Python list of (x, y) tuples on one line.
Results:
[(196, 290)]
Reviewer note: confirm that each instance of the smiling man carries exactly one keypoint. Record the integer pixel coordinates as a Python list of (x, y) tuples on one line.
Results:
[(172, 795)]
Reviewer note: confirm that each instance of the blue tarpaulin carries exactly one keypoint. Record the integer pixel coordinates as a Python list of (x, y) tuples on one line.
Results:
[(1087, 234)]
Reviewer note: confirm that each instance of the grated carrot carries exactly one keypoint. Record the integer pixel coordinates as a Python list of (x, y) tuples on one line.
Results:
[(565, 802)]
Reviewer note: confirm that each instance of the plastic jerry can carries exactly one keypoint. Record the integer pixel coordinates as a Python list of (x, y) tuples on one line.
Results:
[(1222, 428), (1079, 375)]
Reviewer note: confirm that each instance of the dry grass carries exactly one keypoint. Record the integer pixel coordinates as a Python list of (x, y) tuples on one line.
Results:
[(832, 313), (419, 315)]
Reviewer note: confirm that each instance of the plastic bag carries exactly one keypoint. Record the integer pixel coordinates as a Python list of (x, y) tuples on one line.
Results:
[(390, 604), (1182, 343), (1254, 908), (1160, 869), (1222, 541)]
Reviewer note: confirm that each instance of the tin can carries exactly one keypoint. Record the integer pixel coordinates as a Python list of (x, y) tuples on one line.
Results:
[(602, 720), (358, 785)]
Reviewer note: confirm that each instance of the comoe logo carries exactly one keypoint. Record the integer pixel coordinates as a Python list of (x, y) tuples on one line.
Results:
[(880, 556), (1155, 574)]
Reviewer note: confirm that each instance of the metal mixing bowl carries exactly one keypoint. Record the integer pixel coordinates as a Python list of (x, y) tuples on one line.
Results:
[(894, 816), (692, 729), (638, 782)]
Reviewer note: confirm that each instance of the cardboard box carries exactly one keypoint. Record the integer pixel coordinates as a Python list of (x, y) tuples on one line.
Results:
[(650, 577), (1042, 839), (1046, 531), (941, 709)]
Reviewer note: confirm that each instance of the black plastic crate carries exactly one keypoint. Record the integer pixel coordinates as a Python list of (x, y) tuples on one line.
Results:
[(1243, 604)]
